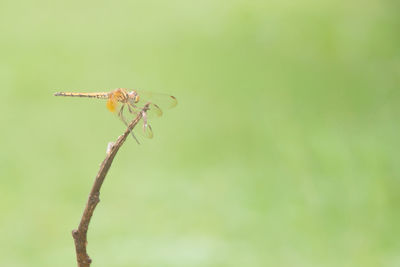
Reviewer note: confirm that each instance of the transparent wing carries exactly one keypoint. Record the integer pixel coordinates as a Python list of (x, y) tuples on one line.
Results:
[(159, 102), (146, 128), (128, 112)]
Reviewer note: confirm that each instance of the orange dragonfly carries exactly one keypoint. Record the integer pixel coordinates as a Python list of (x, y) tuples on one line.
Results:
[(134, 100)]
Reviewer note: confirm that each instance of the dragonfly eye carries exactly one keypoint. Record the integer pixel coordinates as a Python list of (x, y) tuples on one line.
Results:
[(134, 96)]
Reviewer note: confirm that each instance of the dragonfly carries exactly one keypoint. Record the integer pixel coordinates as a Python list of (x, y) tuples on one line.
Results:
[(122, 99)]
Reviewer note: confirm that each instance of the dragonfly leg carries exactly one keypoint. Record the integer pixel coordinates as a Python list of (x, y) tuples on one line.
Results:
[(120, 113), (131, 108), (147, 131), (121, 116)]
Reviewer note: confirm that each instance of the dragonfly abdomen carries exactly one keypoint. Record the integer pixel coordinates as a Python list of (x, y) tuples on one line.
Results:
[(90, 95)]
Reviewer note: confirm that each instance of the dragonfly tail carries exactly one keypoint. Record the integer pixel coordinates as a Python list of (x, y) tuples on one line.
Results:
[(90, 95)]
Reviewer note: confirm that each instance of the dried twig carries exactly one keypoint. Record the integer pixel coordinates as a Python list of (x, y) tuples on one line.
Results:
[(80, 234)]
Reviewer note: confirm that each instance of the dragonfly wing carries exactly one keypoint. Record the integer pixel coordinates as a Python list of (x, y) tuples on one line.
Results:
[(147, 131), (144, 129), (154, 111), (162, 101), (127, 115), (157, 103)]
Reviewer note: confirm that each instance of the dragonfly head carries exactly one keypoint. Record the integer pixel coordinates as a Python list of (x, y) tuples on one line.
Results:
[(134, 96)]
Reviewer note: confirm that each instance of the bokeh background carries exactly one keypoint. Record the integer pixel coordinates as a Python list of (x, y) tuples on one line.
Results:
[(282, 151)]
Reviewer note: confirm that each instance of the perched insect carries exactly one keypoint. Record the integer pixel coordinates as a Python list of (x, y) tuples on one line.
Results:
[(134, 100)]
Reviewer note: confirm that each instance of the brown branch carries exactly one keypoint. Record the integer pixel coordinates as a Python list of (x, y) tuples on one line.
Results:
[(80, 234)]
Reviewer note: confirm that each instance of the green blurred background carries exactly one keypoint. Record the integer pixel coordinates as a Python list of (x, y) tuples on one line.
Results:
[(282, 151)]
